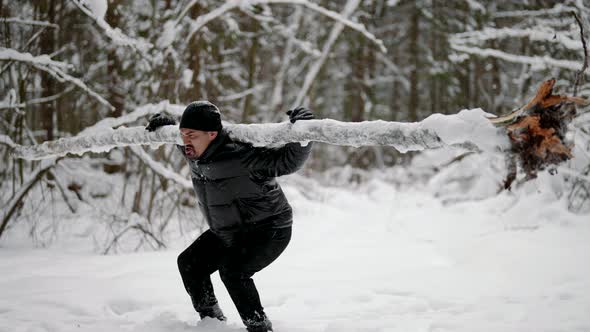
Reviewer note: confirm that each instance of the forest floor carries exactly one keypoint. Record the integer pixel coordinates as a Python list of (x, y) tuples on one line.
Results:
[(371, 259)]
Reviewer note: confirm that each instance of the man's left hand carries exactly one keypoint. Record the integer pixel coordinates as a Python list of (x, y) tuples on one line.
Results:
[(300, 113)]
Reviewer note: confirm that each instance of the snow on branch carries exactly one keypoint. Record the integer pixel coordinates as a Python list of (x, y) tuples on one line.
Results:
[(142, 111), (160, 169), (469, 128), (558, 9), (115, 34), (54, 68), (537, 63), (537, 34), (9, 54), (102, 141), (18, 20), (6, 140), (349, 8), (9, 104), (233, 4)]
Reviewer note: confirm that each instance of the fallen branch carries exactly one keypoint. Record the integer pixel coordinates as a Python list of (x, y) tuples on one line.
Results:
[(469, 128), (534, 134)]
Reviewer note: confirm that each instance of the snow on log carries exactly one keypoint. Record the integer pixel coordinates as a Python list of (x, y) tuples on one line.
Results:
[(102, 141), (534, 135), (468, 128)]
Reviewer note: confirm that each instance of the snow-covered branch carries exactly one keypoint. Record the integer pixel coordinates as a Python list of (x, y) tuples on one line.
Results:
[(232, 4), (9, 54), (243, 94), (5, 105), (349, 8), (161, 169), (115, 34), (558, 9), (468, 128), (17, 20), (54, 68), (102, 141), (6, 140), (536, 62), (140, 112), (537, 34)]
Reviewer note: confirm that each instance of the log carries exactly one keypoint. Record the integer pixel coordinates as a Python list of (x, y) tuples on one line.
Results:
[(533, 134), (469, 128)]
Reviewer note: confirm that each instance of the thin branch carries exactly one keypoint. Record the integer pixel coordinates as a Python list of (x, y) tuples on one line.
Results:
[(232, 4), (536, 34), (580, 74), (37, 100), (22, 192), (115, 34), (537, 63), (160, 169), (243, 94), (6, 140), (54, 68), (63, 192), (349, 8), (558, 9), (18, 20)]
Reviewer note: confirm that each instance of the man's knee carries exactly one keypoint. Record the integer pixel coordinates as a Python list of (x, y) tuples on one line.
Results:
[(186, 262), (233, 276), (182, 261)]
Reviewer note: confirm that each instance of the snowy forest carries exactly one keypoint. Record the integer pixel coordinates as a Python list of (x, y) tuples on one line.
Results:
[(87, 68)]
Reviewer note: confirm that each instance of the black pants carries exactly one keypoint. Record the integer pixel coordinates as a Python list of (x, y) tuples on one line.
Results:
[(237, 264)]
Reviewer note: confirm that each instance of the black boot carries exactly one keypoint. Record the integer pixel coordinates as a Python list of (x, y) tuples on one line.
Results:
[(258, 323), (213, 311)]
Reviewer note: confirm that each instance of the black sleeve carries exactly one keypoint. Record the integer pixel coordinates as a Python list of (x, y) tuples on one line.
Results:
[(273, 162)]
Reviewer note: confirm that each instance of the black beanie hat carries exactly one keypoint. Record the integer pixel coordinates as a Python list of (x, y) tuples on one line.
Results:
[(201, 115)]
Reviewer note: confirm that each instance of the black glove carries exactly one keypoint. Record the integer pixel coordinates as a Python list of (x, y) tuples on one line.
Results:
[(158, 120), (300, 113)]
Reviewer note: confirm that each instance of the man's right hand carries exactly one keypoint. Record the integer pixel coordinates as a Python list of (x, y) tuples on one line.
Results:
[(158, 120)]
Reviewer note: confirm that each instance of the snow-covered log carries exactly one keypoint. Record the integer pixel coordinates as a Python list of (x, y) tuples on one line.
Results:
[(534, 134), (468, 128)]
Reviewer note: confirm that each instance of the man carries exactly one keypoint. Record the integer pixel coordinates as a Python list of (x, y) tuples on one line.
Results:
[(248, 215)]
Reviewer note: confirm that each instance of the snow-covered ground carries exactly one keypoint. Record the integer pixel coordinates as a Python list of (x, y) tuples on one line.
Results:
[(375, 258)]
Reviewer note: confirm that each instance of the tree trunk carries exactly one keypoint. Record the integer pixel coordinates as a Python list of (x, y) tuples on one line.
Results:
[(47, 45), (116, 92), (415, 63)]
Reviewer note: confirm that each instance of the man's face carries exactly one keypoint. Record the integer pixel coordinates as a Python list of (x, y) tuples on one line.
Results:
[(196, 141)]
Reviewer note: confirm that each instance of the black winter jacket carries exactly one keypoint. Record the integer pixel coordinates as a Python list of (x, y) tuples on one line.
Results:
[(236, 187)]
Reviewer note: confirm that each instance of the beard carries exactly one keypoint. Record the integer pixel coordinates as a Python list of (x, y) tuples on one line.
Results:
[(189, 150)]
